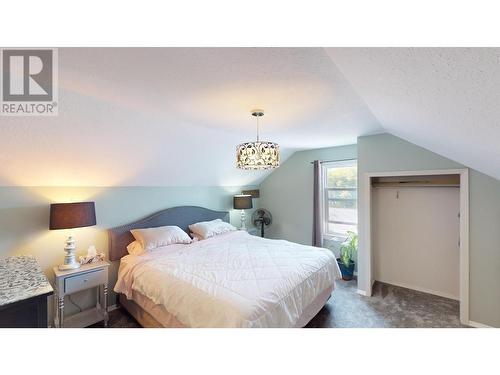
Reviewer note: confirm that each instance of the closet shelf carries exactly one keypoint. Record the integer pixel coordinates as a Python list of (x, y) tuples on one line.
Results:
[(411, 184), (416, 181)]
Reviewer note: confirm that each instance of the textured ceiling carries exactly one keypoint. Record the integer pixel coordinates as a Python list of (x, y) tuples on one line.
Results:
[(446, 100), (173, 116)]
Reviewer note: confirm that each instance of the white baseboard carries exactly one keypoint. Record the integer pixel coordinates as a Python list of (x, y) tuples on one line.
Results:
[(418, 289), (424, 290), (478, 325), (364, 292)]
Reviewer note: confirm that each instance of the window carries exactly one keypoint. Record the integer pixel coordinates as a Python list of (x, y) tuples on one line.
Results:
[(340, 198)]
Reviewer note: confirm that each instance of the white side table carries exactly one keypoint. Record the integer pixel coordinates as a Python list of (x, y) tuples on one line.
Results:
[(94, 275)]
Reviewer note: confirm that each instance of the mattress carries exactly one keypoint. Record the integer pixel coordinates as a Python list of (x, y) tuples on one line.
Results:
[(231, 280)]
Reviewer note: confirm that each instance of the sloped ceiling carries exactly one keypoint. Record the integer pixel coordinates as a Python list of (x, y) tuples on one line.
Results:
[(446, 100), (173, 116)]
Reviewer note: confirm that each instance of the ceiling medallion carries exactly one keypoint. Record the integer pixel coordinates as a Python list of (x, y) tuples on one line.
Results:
[(259, 154)]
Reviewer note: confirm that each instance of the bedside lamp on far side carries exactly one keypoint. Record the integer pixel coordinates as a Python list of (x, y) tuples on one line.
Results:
[(68, 216), (242, 202)]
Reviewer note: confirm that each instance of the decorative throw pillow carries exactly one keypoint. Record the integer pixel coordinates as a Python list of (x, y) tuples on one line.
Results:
[(151, 238), (207, 229)]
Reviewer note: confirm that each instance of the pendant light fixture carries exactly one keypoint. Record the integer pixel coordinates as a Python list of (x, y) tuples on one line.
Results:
[(259, 154)]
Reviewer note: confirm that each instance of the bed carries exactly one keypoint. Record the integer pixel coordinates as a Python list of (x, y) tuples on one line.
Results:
[(231, 280)]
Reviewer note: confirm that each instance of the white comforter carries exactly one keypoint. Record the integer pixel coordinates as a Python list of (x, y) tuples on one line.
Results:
[(231, 280)]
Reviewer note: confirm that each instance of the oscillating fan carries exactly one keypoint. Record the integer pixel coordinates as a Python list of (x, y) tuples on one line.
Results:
[(261, 218)]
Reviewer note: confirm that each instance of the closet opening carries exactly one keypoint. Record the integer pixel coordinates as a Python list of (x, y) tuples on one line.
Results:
[(416, 233)]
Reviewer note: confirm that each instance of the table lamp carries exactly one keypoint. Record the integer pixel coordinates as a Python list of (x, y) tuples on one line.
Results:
[(68, 216), (242, 202)]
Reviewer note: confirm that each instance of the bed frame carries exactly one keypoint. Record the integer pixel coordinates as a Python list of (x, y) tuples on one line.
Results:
[(120, 237), (182, 216), (145, 319)]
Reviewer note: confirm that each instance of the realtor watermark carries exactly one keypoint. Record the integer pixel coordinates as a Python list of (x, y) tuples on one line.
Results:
[(29, 82)]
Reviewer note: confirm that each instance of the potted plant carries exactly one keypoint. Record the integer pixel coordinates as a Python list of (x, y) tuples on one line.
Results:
[(348, 249)]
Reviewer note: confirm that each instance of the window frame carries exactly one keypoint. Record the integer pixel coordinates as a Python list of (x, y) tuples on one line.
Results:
[(325, 199)]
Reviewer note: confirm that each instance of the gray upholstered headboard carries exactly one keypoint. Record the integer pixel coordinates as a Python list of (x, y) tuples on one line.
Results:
[(181, 216)]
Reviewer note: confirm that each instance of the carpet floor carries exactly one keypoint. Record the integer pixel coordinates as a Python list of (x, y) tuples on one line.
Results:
[(389, 307)]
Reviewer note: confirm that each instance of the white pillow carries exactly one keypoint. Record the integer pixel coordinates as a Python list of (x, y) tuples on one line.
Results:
[(151, 238), (207, 229), (135, 248)]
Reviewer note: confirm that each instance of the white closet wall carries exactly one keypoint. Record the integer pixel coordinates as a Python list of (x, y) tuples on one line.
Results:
[(415, 238)]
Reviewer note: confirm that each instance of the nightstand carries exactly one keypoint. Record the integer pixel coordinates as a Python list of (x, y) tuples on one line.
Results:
[(94, 275)]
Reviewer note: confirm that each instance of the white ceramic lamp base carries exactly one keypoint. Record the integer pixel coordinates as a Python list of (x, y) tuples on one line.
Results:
[(243, 220), (70, 262)]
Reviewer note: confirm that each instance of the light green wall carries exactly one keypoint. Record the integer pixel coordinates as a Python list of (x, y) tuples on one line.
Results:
[(288, 193), (385, 152), (24, 218)]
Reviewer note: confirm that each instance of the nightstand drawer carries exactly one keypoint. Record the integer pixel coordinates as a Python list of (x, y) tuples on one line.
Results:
[(85, 281)]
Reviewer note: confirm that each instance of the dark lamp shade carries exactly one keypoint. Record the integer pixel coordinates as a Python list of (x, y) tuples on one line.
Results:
[(72, 215), (242, 202)]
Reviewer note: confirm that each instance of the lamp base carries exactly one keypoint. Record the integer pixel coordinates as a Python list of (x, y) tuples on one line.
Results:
[(243, 221), (70, 262), (66, 267)]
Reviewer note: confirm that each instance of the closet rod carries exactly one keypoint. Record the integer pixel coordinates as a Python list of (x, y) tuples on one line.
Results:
[(331, 161), (411, 185)]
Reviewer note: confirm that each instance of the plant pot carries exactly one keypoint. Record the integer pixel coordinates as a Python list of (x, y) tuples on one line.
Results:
[(347, 271)]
